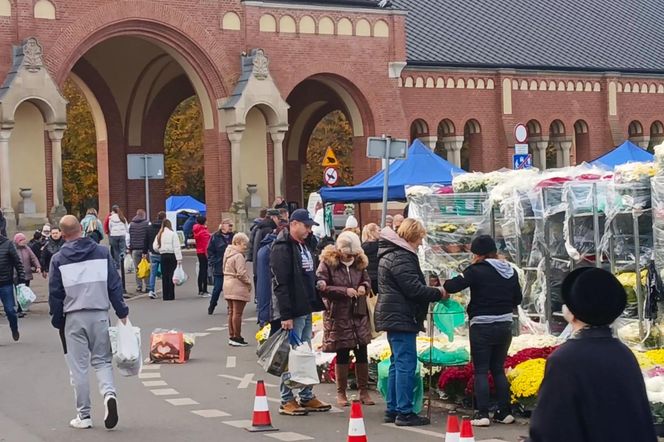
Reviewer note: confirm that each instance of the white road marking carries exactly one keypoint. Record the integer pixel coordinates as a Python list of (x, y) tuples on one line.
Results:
[(149, 375), (238, 424), (236, 378), (231, 361), (164, 392), (246, 380), (210, 413), (213, 329), (151, 367), (182, 401), (154, 383), (417, 430), (254, 319), (200, 335), (289, 436)]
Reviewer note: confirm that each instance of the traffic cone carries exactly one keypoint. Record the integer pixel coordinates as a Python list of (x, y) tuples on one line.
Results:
[(452, 433), (356, 431), (466, 432), (261, 420)]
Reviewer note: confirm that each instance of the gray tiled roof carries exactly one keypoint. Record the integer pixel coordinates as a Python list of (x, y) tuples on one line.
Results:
[(355, 3), (589, 35)]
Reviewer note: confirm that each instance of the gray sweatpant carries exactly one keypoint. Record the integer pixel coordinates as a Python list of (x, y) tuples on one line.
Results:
[(88, 344)]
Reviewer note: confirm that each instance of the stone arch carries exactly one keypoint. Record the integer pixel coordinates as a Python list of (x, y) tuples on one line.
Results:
[(490, 84), (471, 84), (534, 128), (307, 25), (558, 152), (44, 9), (381, 29), (461, 84), (418, 129), (557, 128), (535, 143), (652, 89), (440, 83), (588, 87), (448, 144), (287, 25), (446, 128), (430, 83), (656, 134), (582, 141), (471, 150), (267, 23), (5, 8), (419, 82), (635, 129), (480, 83), (363, 28), (231, 22), (326, 26), (408, 82), (345, 27)]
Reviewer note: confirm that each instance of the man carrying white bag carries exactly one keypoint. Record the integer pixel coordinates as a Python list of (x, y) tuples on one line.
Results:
[(83, 285), (302, 370), (126, 347)]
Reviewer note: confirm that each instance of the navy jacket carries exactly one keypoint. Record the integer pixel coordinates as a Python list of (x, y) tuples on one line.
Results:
[(216, 249), (264, 280)]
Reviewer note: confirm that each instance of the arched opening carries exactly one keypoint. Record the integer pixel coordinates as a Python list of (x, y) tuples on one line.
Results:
[(535, 142), (418, 129), (446, 138), (637, 135), (559, 147), (656, 135), (582, 141), (471, 151), (326, 109)]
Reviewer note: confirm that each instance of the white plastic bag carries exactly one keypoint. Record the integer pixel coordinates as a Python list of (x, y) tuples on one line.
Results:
[(129, 263), (179, 277), (302, 371), (25, 296), (126, 346)]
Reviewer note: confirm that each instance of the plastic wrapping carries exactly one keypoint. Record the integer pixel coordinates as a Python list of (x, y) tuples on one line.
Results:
[(657, 185)]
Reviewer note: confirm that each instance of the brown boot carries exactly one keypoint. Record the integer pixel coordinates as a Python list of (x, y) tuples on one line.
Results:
[(362, 373), (341, 373)]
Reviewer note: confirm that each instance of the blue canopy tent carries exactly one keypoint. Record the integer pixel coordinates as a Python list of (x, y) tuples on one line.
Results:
[(182, 203), (627, 152), (422, 167)]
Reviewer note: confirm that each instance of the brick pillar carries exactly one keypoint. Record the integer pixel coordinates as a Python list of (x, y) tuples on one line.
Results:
[(218, 185)]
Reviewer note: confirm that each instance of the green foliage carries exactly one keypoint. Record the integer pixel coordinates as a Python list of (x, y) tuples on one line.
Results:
[(183, 149), (333, 131), (79, 153)]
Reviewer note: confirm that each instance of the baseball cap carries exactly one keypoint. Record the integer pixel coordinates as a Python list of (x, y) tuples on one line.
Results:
[(302, 215)]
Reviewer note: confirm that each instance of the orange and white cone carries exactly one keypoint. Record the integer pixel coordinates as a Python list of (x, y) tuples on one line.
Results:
[(466, 432), (356, 431), (452, 434), (261, 420)]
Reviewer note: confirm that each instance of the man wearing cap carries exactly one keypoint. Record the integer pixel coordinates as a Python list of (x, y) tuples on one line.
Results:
[(593, 389), (294, 281)]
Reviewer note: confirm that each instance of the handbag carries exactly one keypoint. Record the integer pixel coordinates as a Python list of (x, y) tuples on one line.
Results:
[(372, 300), (360, 306)]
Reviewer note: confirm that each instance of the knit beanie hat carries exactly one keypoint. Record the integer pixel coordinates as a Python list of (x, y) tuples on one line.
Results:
[(349, 243), (483, 245), (19, 237), (594, 296), (351, 222)]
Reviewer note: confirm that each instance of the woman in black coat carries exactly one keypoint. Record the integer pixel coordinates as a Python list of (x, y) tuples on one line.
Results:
[(402, 306), (593, 389)]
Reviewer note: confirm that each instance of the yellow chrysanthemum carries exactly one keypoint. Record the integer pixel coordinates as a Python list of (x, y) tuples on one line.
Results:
[(656, 357), (643, 359), (526, 378), (263, 333)]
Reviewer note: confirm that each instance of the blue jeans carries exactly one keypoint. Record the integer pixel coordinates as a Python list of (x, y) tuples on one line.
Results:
[(7, 298), (155, 260), (216, 290), (403, 363), (302, 327)]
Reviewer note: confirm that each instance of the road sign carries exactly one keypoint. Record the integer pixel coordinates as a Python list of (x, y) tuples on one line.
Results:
[(523, 161), (136, 166), (377, 146), (331, 176), (521, 149), (330, 159), (521, 133)]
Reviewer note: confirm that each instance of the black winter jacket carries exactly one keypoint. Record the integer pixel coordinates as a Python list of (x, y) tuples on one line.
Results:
[(217, 246), (288, 280), (403, 296), (10, 261), (371, 250), (138, 230), (490, 292), (593, 391), (263, 229), (50, 248), (151, 233)]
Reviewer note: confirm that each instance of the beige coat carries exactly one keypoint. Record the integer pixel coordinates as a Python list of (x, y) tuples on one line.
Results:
[(237, 285)]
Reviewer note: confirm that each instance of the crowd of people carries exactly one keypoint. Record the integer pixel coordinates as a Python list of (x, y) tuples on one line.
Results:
[(297, 273)]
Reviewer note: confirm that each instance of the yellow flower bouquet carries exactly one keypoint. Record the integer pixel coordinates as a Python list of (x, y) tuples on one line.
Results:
[(525, 380)]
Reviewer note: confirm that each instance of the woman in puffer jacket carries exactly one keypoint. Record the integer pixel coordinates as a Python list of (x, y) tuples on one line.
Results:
[(344, 284), (117, 237)]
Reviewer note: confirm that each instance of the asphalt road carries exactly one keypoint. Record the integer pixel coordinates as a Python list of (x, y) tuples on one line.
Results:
[(209, 398)]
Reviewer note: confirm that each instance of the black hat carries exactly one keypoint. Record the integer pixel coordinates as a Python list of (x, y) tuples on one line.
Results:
[(302, 215), (483, 245), (594, 296), (272, 212)]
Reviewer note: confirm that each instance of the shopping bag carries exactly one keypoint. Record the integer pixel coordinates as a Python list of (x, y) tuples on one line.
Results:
[(418, 389), (143, 271), (129, 264), (372, 300), (167, 346), (126, 346), (302, 370), (25, 296), (179, 277), (273, 353)]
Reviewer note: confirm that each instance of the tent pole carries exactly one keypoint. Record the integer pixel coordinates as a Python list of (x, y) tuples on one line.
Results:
[(386, 182)]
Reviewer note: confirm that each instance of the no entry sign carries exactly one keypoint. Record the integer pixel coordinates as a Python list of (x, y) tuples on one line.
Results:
[(330, 176)]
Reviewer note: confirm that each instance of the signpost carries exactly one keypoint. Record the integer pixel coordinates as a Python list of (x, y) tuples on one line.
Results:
[(145, 167), (330, 159), (386, 148), (521, 159)]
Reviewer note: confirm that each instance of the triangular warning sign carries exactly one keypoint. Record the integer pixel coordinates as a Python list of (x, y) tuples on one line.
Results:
[(330, 159)]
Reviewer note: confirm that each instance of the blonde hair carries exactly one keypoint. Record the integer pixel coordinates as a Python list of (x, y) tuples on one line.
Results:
[(371, 232), (411, 230), (240, 238)]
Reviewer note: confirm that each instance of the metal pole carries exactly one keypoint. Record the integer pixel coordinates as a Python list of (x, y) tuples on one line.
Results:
[(147, 187), (637, 269), (596, 238), (386, 179)]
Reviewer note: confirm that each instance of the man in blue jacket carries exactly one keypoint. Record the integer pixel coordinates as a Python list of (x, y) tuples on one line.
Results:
[(83, 285)]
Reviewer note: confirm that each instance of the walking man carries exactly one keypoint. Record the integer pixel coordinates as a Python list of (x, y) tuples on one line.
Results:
[(294, 281), (10, 261), (83, 285), (138, 230)]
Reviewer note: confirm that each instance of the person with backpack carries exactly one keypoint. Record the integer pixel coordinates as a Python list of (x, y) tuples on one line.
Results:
[(92, 226), (138, 230)]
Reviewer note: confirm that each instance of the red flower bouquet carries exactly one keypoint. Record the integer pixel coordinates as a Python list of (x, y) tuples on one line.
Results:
[(528, 354)]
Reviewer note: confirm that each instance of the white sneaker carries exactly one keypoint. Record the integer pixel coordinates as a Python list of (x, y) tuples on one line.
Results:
[(80, 424), (111, 415), (481, 422), (152, 295)]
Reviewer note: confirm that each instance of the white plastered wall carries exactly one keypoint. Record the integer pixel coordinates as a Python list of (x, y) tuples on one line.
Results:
[(254, 155)]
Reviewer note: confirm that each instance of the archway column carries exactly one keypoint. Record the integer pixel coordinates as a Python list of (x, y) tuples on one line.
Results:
[(453, 147), (5, 179), (235, 136), (539, 146), (429, 141), (642, 141), (56, 134), (278, 133), (565, 149)]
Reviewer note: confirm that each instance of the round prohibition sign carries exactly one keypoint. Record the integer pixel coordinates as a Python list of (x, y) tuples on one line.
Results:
[(330, 176)]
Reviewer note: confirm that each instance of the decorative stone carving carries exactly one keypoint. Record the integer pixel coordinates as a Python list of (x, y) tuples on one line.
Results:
[(32, 55), (253, 200), (261, 65), (26, 206)]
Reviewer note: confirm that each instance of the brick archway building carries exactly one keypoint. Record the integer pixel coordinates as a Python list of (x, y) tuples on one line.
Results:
[(265, 72)]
